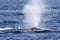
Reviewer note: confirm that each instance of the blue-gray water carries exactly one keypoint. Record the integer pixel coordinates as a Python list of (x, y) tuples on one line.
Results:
[(11, 16)]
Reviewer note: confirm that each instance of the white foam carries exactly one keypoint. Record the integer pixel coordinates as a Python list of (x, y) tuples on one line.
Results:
[(1, 29)]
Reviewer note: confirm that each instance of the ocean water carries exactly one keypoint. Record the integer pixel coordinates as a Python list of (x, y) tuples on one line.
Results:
[(11, 16)]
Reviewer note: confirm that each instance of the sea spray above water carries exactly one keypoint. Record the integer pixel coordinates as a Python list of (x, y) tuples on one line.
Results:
[(32, 13)]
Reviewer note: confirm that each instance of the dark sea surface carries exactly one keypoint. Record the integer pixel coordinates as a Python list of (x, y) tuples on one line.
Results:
[(11, 16)]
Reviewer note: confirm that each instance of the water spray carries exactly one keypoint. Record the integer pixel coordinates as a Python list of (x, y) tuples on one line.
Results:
[(32, 12)]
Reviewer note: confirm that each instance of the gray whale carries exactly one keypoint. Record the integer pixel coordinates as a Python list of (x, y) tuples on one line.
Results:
[(20, 30)]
